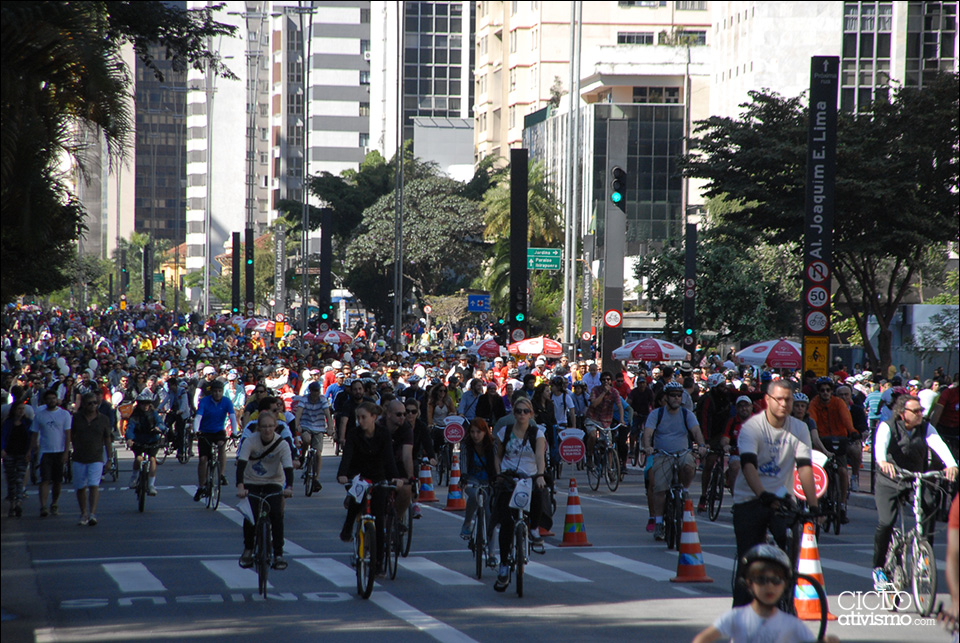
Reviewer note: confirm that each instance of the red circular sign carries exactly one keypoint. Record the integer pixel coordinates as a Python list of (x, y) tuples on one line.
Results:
[(453, 432), (572, 450), (324, 327), (585, 336), (428, 309), (815, 321), (819, 482), (517, 334), (818, 271), (612, 318), (278, 317)]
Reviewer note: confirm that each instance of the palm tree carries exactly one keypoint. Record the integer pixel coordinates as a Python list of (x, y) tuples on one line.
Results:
[(545, 227)]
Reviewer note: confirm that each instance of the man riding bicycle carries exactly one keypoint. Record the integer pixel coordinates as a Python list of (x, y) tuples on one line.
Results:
[(313, 418), (212, 414), (835, 428), (605, 405), (143, 438), (666, 430), (771, 443)]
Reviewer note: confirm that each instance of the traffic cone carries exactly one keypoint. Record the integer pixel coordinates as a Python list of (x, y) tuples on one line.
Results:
[(804, 597), (455, 499), (426, 493), (574, 534), (690, 568)]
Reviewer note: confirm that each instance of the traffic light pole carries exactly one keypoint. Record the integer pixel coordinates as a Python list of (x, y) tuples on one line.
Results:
[(689, 339), (235, 274), (518, 322), (614, 243)]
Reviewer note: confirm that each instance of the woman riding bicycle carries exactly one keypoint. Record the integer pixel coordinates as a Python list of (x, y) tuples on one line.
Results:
[(903, 441), (368, 452), (439, 406), (520, 448), (479, 467), (143, 438)]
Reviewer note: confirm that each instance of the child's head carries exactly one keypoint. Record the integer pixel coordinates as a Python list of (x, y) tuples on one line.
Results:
[(766, 570)]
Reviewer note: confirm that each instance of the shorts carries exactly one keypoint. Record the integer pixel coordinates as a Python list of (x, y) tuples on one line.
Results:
[(205, 442), (51, 467), (661, 473), (838, 446), (87, 474), (316, 438), (149, 450)]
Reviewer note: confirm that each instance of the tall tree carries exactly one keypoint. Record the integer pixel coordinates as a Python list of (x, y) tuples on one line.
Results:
[(61, 70), (897, 172)]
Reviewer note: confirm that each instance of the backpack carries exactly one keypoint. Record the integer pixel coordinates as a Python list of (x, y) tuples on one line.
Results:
[(662, 410), (530, 438)]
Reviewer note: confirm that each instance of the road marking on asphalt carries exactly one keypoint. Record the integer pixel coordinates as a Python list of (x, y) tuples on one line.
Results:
[(437, 573), (551, 574), (426, 624), (233, 514), (628, 565), (133, 577), (687, 590), (233, 576), (723, 562), (847, 568), (337, 573)]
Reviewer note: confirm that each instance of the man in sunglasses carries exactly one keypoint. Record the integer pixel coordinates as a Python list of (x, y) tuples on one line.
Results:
[(835, 428)]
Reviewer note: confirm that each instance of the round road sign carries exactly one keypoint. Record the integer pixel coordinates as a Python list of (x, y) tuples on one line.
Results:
[(819, 477), (818, 271), (483, 317), (612, 318), (517, 334), (815, 321), (818, 297), (324, 327), (585, 336), (278, 317), (689, 283), (454, 431), (428, 309), (572, 450)]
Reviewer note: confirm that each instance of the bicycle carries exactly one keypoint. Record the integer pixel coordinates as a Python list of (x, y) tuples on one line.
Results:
[(519, 556), (185, 445), (308, 467), (910, 561), (164, 448), (606, 460), (365, 540), (714, 496), (406, 531), (212, 489), (114, 469), (674, 501), (393, 546), (143, 481), (479, 538), (444, 462), (831, 504), (636, 452), (263, 541), (554, 462)]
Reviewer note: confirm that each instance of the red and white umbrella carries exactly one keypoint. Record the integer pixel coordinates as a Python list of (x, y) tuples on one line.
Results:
[(537, 346), (334, 337), (310, 337), (488, 348), (250, 324), (222, 320), (775, 353), (650, 350), (265, 326)]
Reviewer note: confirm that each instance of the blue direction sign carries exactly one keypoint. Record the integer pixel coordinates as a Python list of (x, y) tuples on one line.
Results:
[(478, 303)]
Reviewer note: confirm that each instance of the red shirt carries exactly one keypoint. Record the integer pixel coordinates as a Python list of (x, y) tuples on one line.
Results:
[(950, 399)]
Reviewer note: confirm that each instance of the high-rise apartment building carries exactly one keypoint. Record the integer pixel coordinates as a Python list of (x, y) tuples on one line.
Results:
[(430, 75)]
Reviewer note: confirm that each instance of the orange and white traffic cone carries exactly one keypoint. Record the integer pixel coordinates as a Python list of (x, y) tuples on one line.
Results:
[(804, 597), (574, 534), (690, 567), (455, 499), (426, 493)]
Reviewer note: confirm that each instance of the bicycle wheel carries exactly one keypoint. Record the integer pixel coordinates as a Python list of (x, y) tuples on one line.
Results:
[(263, 554), (811, 589), (480, 541), (366, 543), (308, 474), (668, 519), (391, 548), (520, 554), (612, 469), (923, 578), (212, 482), (835, 502), (595, 470), (184, 454), (213, 500), (407, 521), (715, 492), (114, 466), (142, 488)]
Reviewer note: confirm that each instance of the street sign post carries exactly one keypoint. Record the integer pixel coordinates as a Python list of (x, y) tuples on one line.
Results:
[(543, 258)]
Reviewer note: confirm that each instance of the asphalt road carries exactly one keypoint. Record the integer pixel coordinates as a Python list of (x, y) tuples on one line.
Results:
[(171, 573)]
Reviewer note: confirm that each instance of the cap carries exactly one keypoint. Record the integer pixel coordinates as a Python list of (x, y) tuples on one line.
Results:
[(314, 386), (231, 376), (744, 398), (209, 370)]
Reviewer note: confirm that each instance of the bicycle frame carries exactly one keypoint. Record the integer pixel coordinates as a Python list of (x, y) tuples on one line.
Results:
[(674, 500), (262, 548)]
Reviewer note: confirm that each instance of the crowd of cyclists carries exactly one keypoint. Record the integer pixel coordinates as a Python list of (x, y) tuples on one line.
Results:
[(154, 377)]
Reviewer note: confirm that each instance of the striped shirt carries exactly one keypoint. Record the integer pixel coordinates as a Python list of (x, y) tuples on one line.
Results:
[(313, 417)]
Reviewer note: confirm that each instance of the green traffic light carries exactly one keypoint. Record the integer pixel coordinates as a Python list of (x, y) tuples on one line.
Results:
[(520, 317), (249, 262), (324, 316), (616, 197), (689, 331), (500, 321)]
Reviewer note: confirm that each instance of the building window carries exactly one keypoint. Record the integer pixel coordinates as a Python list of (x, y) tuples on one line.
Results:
[(294, 43), (514, 6), (364, 47), (364, 77), (513, 41), (512, 117), (683, 37), (295, 71), (691, 6), (294, 103), (264, 134), (635, 38), (364, 140), (364, 109), (641, 3), (513, 79), (295, 135), (264, 158), (660, 95)]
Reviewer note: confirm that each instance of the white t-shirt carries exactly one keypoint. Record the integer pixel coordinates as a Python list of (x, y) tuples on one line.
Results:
[(777, 451), (518, 455), (561, 405), (52, 427), (743, 625)]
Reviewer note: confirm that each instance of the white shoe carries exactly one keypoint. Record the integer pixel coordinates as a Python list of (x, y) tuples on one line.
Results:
[(151, 491)]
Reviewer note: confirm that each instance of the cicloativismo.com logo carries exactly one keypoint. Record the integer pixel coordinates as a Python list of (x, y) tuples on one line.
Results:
[(885, 609)]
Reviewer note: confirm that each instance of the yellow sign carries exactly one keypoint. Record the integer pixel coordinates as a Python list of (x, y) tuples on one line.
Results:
[(123, 304), (278, 329), (816, 354)]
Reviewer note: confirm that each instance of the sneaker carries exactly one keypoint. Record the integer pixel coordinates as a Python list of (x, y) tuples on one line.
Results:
[(84, 521), (844, 519), (651, 524), (701, 507), (317, 486), (93, 520), (880, 580), (503, 579), (855, 484), (660, 533), (279, 563), (535, 538), (198, 495), (346, 534), (223, 480), (43, 512), (151, 490), (466, 531), (492, 561), (54, 510), (133, 481), (246, 559), (417, 511)]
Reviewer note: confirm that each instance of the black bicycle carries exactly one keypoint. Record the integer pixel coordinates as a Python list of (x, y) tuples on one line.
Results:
[(674, 501), (714, 497), (185, 445), (479, 536), (831, 504), (606, 460), (263, 540), (143, 482), (519, 555)]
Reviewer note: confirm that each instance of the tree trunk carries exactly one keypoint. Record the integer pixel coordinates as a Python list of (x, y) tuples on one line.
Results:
[(884, 349)]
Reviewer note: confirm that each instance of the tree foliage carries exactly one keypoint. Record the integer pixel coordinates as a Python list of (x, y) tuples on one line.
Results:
[(895, 190), (62, 75)]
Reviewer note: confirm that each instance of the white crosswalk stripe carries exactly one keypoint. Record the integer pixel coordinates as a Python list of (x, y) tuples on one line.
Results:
[(133, 577), (626, 564), (232, 575), (436, 573), (336, 572), (552, 574)]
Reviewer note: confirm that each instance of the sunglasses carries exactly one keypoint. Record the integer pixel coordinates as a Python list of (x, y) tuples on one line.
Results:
[(412, 411), (522, 412), (768, 580), (825, 388)]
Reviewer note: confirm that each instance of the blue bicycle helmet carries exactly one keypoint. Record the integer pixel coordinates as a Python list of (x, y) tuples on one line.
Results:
[(800, 397)]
